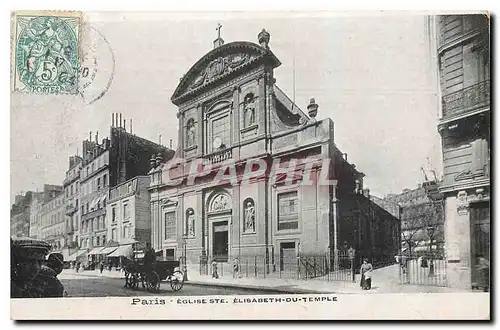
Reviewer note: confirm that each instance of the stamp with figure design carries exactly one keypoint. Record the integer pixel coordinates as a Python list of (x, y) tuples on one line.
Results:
[(46, 52)]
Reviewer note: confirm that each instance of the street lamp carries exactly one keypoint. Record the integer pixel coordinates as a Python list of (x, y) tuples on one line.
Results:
[(185, 276), (430, 232)]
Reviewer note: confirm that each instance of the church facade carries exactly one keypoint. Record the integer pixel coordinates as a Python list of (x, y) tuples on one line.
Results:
[(253, 174)]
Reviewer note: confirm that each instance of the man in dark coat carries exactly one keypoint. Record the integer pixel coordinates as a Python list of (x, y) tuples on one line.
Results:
[(149, 258), (27, 256), (30, 278), (48, 283)]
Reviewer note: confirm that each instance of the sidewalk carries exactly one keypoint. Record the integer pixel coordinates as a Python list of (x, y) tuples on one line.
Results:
[(385, 280), (67, 273)]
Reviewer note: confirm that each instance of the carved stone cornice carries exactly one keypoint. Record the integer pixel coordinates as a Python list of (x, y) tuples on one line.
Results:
[(214, 92), (167, 202), (464, 200), (462, 203), (219, 65)]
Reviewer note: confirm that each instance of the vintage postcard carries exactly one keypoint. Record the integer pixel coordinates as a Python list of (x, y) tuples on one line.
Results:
[(260, 165)]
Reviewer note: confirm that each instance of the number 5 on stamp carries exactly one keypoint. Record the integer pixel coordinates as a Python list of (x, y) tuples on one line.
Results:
[(46, 47)]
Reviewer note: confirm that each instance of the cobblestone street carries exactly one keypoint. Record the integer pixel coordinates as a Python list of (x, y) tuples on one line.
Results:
[(88, 286)]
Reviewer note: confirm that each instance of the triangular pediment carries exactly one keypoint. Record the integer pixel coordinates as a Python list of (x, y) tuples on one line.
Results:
[(222, 63)]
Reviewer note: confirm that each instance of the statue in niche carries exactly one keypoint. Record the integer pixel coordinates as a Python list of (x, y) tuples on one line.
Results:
[(190, 128), (249, 110), (249, 225)]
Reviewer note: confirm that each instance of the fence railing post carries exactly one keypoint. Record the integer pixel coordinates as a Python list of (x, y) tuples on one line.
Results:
[(255, 265), (352, 271), (298, 267)]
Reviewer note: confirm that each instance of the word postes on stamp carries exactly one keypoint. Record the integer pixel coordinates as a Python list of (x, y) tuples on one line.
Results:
[(46, 53)]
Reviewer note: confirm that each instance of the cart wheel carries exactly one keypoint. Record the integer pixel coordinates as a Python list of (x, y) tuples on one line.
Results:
[(143, 280), (153, 281), (177, 280), (127, 284), (129, 280), (134, 281)]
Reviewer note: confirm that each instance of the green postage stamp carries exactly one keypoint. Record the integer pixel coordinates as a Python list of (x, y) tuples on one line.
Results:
[(46, 47)]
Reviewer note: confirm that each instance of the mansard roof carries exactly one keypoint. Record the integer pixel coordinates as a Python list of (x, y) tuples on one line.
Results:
[(221, 64)]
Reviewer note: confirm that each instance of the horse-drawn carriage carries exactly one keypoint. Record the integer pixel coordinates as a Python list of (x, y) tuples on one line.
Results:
[(150, 277)]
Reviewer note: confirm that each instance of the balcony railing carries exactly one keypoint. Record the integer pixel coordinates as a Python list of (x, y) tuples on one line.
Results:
[(218, 157), (466, 100)]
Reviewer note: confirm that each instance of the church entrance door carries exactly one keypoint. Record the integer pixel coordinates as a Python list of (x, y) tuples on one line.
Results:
[(288, 257), (220, 241)]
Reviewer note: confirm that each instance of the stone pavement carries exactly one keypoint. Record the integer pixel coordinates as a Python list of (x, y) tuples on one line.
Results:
[(384, 280)]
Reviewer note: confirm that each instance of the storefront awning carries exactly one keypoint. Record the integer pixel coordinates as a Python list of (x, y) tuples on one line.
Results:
[(122, 251), (74, 256), (96, 250), (108, 250)]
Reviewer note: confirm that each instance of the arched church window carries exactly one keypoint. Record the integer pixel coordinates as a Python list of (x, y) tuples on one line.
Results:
[(190, 133), (249, 216), (190, 218), (249, 110)]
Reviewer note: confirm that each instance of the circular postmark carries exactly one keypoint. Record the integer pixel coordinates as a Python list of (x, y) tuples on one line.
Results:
[(97, 65), (47, 55)]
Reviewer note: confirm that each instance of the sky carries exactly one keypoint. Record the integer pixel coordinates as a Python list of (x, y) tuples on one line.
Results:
[(371, 74)]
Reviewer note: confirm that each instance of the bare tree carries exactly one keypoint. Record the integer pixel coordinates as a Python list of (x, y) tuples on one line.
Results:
[(421, 223)]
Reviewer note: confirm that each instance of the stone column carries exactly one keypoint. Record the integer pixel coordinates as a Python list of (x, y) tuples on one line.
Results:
[(262, 108), (235, 225), (182, 132), (236, 115), (201, 214), (199, 129), (458, 240), (335, 214)]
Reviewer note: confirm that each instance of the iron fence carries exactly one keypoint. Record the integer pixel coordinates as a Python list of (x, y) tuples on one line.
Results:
[(423, 269), (302, 267)]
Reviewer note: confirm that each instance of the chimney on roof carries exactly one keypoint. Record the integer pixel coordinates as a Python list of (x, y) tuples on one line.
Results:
[(130, 126), (125, 124), (97, 137), (345, 156), (120, 122), (366, 193), (358, 187), (170, 143)]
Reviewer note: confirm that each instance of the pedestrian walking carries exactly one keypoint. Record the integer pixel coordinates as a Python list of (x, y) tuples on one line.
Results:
[(215, 274), (366, 275), (101, 266), (236, 268)]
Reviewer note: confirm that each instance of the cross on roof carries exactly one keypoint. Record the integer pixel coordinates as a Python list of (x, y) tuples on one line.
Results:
[(219, 26)]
